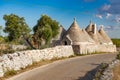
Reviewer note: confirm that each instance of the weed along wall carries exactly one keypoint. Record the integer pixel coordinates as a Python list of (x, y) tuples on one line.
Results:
[(19, 60)]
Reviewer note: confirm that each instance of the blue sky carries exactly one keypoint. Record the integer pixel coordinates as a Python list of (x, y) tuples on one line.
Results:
[(101, 12)]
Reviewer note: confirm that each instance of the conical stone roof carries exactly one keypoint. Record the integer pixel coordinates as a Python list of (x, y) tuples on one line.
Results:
[(88, 38), (94, 34), (89, 28), (76, 35), (62, 31), (105, 36)]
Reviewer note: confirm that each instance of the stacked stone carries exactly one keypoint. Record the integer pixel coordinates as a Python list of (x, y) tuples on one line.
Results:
[(108, 73), (19, 60)]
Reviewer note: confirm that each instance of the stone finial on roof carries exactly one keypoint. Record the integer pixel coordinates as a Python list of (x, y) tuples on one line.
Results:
[(101, 27), (104, 35), (90, 22), (101, 30), (89, 28), (74, 18), (94, 29)]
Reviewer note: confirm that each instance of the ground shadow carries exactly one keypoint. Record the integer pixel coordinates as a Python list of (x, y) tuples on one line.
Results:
[(89, 75)]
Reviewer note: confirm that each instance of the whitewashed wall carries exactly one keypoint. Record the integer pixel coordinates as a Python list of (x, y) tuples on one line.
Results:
[(91, 48), (22, 59)]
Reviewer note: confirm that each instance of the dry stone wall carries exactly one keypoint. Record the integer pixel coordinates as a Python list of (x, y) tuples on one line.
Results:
[(108, 73), (22, 59), (19, 60), (91, 48), (105, 70)]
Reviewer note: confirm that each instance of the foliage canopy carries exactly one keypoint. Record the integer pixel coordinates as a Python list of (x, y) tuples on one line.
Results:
[(46, 29), (15, 27), (116, 42)]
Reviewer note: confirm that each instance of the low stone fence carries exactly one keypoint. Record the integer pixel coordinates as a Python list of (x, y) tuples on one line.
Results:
[(19, 60), (105, 71), (12, 47), (3, 46), (18, 47)]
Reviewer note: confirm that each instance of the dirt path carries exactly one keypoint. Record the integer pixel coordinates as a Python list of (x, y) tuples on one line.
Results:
[(79, 68)]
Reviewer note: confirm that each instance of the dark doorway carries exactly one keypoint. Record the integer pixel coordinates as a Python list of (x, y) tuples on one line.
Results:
[(65, 42)]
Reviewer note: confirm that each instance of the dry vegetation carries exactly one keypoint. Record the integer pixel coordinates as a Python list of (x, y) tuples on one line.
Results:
[(29, 67), (116, 72)]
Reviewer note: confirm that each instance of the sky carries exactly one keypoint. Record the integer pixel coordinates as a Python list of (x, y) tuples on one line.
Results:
[(101, 12)]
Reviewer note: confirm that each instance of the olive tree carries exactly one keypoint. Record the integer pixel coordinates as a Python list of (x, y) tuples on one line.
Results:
[(15, 26), (45, 29)]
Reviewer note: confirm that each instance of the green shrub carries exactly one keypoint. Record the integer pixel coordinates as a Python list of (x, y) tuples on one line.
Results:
[(72, 56), (6, 51), (103, 66), (116, 42), (101, 69), (44, 46), (118, 56), (2, 40), (10, 73)]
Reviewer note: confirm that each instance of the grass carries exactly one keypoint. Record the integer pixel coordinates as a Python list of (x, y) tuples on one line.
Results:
[(100, 71), (116, 42), (116, 72), (10, 73), (92, 53), (118, 56), (103, 66), (116, 69), (7, 51)]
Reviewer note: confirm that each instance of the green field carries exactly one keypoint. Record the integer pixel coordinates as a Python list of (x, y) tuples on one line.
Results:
[(116, 42)]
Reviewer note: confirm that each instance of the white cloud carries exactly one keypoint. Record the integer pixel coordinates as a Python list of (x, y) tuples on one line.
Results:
[(117, 19), (99, 16), (108, 15), (109, 28), (106, 7), (113, 7)]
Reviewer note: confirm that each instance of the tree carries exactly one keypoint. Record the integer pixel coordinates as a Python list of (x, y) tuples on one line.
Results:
[(15, 27), (0, 30), (45, 29), (1, 37)]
